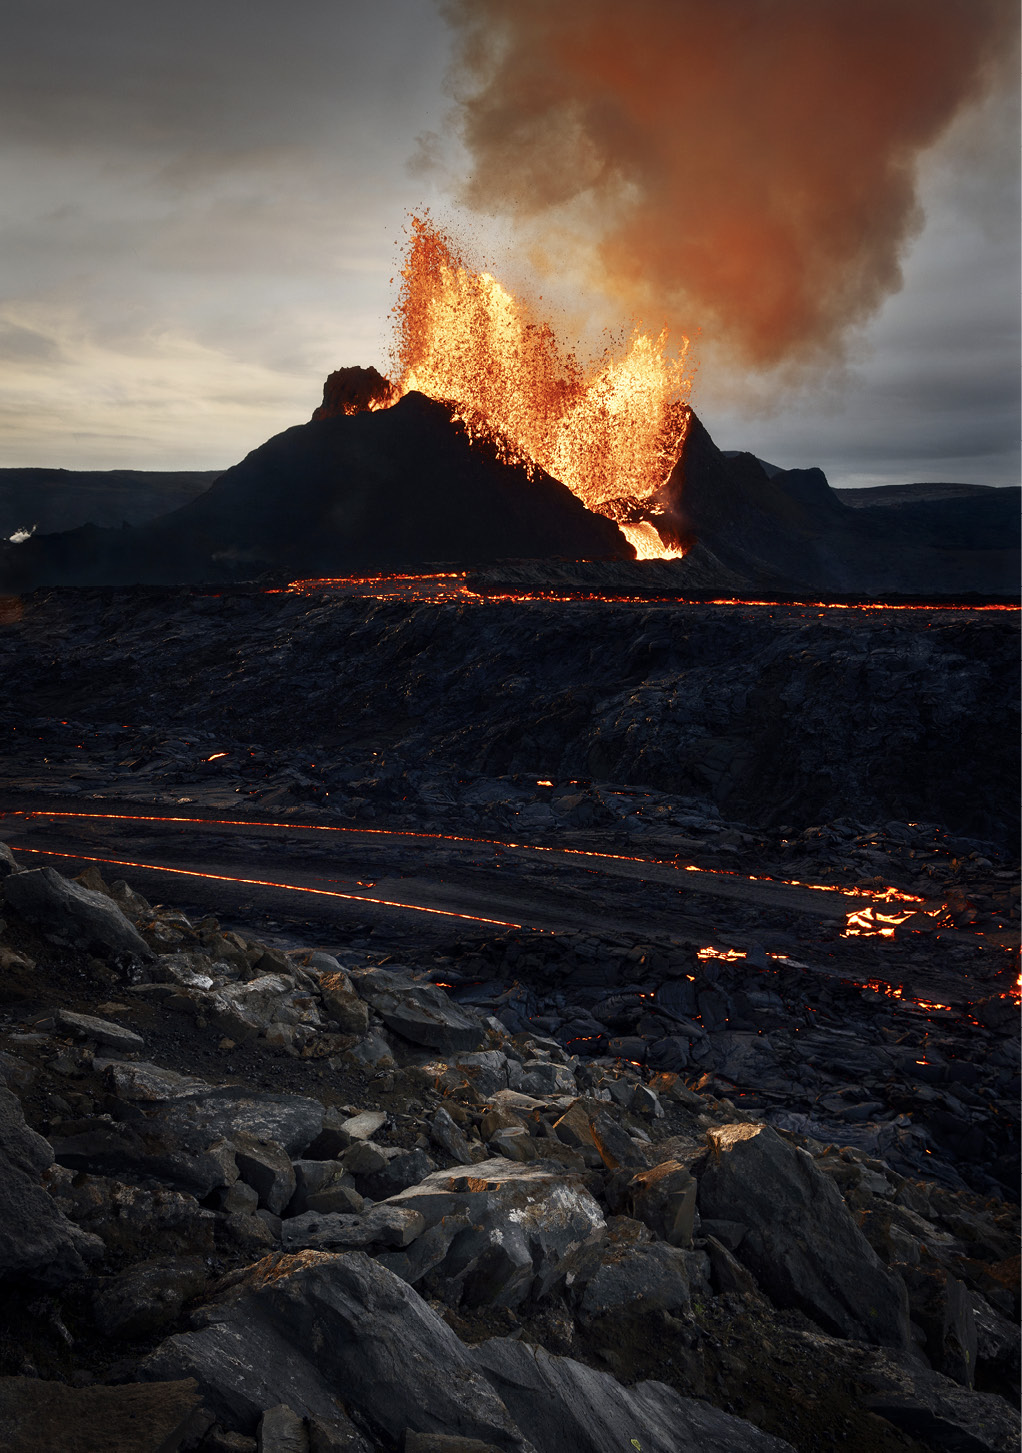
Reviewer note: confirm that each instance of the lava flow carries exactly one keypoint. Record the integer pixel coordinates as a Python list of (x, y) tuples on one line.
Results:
[(612, 432), (453, 586), (859, 923)]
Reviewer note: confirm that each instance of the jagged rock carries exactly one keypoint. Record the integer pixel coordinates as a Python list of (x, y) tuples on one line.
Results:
[(342, 1003), (382, 1225), (402, 1170), (147, 1296), (36, 1238), (362, 1126), (561, 1404), (664, 1198), (539, 1077), (449, 1137), (281, 1431), (87, 1026), (617, 1148), (307, 1330), (524, 1220), (337, 1435), (66, 912), (188, 1158), (319, 1181), (8, 862), (131, 1418), (255, 1007), (419, 1012), (802, 1244), (574, 1128), (936, 1410), (266, 1167), (128, 1219), (515, 1142), (941, 1306), (293, 1121), (626, 1276)]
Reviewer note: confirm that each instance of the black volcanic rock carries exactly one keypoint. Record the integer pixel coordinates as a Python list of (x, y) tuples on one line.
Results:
[(390, 489), (787, 530), (353, 391)]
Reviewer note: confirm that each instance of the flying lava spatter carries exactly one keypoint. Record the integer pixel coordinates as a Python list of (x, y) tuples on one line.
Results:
[(611, 431)]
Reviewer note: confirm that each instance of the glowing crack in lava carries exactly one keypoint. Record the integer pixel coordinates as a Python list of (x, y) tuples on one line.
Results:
[(611, 431)]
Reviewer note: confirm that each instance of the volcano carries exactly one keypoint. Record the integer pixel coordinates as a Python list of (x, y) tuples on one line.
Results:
[(364, 487), (389, 489)]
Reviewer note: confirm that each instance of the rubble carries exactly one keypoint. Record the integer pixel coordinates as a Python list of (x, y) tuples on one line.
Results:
[(699, 1169)]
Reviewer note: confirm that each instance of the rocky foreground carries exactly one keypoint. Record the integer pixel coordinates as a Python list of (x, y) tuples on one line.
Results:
[(255, 1199)]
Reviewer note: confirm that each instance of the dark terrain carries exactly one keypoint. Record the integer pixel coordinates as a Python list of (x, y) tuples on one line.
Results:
[(402, 488), (601, 1020), (50, 500)]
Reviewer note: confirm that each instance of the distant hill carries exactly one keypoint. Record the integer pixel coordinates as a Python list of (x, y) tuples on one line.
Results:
[(391, 489), (48, 500), (402, 488)]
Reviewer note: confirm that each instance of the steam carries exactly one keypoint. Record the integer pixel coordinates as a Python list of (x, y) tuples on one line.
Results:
[(21, 535), (743, 167)]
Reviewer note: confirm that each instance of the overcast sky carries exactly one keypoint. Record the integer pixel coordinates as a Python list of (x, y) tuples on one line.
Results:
[(202, 209)]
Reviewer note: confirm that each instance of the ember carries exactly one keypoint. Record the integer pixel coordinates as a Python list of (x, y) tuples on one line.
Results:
[(612, 432)]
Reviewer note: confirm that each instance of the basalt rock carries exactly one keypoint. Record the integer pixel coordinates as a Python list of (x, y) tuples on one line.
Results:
[(562, 1404), (802, 1243), (36, 1240), (307, 1330), (69, 913)]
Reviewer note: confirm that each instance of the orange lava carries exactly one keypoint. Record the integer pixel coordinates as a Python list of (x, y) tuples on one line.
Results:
[(612, 431), (268, 883), (878, 895), (453, 587)]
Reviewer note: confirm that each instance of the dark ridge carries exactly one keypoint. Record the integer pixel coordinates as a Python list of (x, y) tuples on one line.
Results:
[(789, 531), (48, 500), (385, 490)]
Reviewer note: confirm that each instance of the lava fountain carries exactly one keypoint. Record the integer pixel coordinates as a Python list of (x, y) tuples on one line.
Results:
[(611, 431)]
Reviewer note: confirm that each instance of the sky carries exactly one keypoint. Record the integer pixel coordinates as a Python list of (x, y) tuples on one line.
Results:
[(202, 212)]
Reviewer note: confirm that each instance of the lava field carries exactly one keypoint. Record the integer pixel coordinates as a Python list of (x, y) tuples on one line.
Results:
[(757, 857)]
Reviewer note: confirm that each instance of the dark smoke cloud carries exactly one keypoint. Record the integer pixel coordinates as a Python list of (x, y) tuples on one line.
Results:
[(747, 167)]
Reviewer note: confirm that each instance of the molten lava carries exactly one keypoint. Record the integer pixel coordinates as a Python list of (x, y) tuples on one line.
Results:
[(612, 432)]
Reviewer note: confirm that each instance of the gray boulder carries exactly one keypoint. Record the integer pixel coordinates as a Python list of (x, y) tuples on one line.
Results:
[(664, 1199), (66, 912), (36, 1239), (265, 1166), (419, 1012), (102, 1031), (498, 1229), (381, 1225), (802, 1242), (561, 1404), (147, 1296), (309, 1330), (293, 1121)]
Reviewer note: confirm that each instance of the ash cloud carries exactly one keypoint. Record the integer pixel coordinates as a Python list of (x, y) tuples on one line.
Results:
[(747, 168)]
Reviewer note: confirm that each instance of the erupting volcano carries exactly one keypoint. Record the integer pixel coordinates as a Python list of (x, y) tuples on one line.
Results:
[(492, 445), (612, 431)]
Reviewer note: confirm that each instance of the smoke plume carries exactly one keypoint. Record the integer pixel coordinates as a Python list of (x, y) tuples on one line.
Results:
[(743, 167)]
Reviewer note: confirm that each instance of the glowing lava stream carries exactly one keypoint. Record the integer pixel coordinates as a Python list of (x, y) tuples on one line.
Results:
[(268, 883), (445, 589), (720, 882)]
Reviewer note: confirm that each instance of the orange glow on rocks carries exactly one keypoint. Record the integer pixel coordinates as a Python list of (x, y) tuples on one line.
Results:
[(611, 431)]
